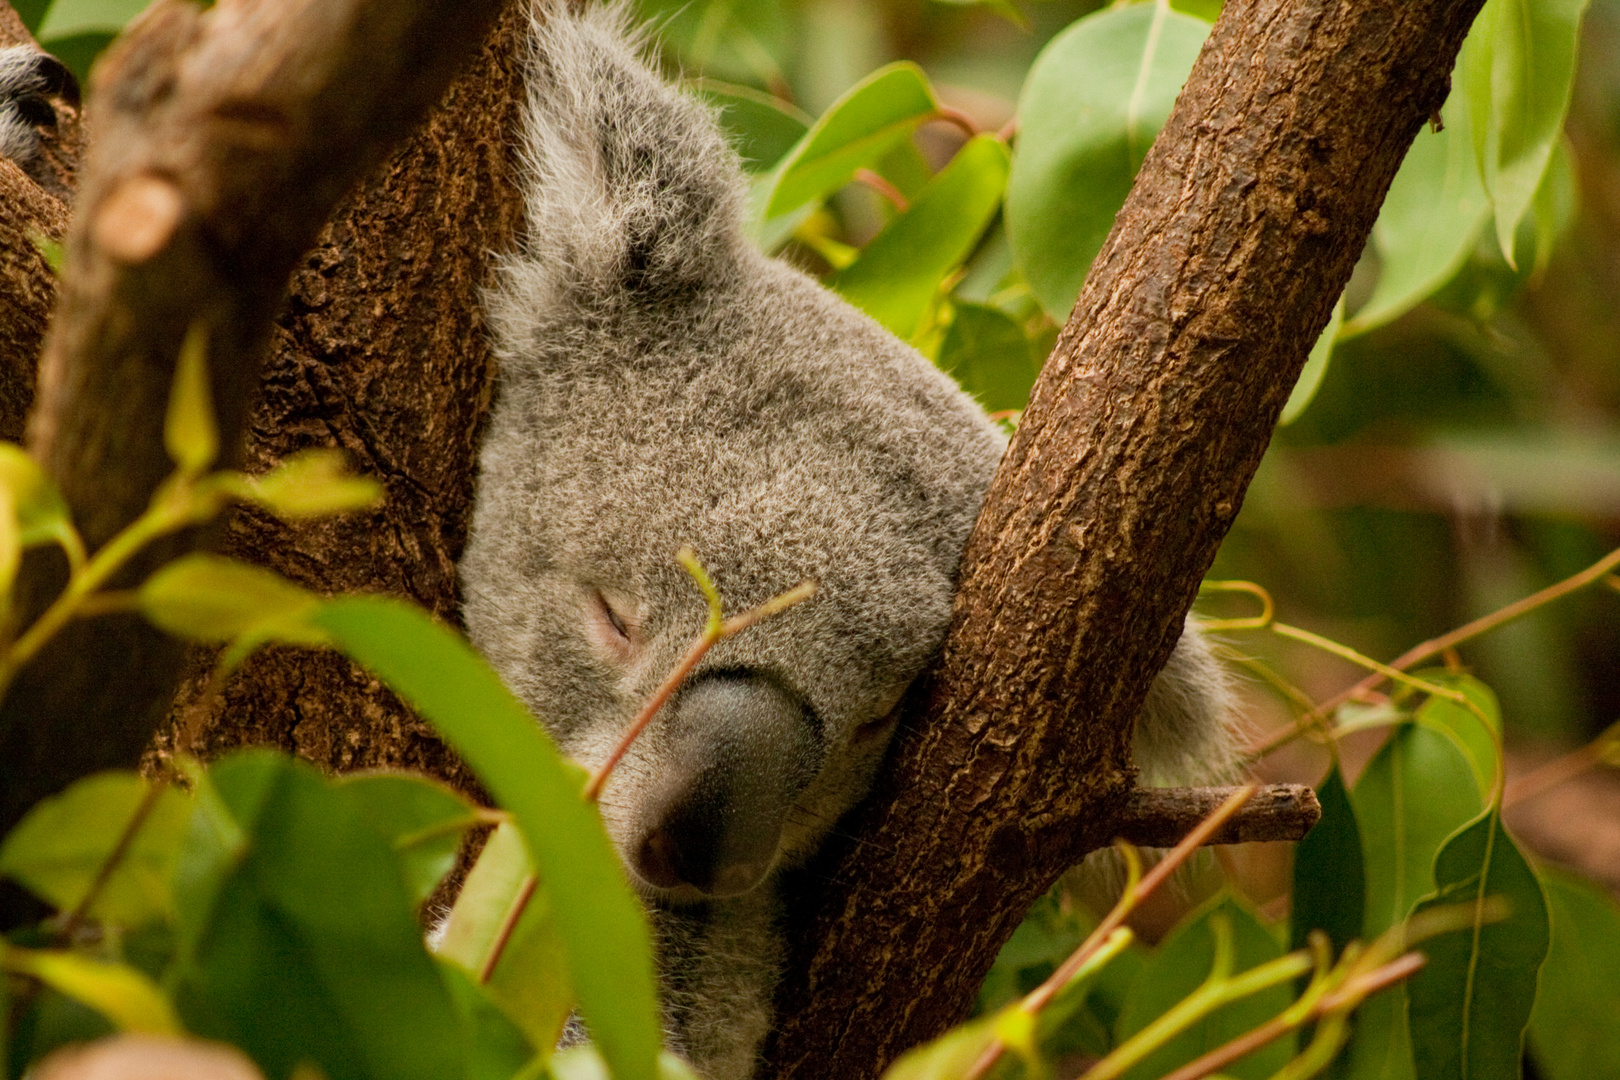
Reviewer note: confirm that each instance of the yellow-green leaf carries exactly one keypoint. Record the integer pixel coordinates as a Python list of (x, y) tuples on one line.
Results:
[(41, 515), (127, 997), (214, 599), (189, 433), (313, 483)]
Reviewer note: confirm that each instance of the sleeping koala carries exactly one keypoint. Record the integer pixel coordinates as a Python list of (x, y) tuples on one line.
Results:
[(664, 384)]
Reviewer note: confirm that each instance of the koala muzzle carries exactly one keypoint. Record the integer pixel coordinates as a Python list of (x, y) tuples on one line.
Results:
[(739, 749)]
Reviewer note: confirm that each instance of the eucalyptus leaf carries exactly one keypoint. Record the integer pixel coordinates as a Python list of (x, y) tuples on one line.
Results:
[(990, 356), (1517, 68), (422, 820), (498, 1047), (313, 483), (872, 118), (60, 847), (1435, 210), (304, 944), (1330, 881), (1470, 1004), (1091, 107), (1315, 369), (190, 434), (762, 128), (1572, 1026), (66, 17), (41, 514), (503, 907), (899, 273), (125, 996), (1475, 730), (205, 597), (608, 944), (1179, 966)]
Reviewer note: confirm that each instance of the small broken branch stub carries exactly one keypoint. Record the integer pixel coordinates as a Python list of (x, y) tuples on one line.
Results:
[(1160, 817)]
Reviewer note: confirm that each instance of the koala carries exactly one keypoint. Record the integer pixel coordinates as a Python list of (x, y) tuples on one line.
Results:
[(664, 384)]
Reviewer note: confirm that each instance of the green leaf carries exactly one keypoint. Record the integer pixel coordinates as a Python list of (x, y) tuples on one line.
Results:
[(1310, 376), (304, 946), (499, 1048), (762, 127), (503, 906), (1572, 1027), (585, 1062), (31, 12), (313, 483), (80, 16), (59, 848), (856, 130), (125, 996), (1094, 100), (609, 947), (899, 273), (422, 820), (42, 515), (189, 433), (211, 598), (1435, 211), (989, 355), (1517, 67), (1417, 790), (1476, 737), (1330, 883), (1471, 1002), (1177, 968)]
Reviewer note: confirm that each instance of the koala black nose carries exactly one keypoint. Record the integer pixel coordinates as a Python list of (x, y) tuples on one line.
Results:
[(740, 749)]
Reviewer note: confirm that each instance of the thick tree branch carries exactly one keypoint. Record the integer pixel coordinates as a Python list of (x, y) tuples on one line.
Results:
[(1128, 466), (224, 138)]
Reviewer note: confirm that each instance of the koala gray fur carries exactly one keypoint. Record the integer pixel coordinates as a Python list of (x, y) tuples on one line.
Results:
[(663, 383)]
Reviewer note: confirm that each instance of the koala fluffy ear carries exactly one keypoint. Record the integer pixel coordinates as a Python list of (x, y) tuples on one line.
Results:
[(631, 188)]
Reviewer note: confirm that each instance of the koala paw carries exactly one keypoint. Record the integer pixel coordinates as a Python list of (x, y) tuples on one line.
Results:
[(29, 79)]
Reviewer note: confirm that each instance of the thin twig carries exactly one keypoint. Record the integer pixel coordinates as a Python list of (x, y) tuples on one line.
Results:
[(508, 925), (1563, 768), (882, 186), (961, 120), (104, 872)]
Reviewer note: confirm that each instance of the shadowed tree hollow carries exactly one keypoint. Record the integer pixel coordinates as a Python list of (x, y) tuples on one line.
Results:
[(209, 178)]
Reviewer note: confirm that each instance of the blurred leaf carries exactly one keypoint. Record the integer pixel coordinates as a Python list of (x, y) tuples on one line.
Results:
[(128, 998), (859, 128), (59, 848), (1092, 104), (210, 598), (1179, 966), (1310, 376), (1465, 727), (1005, 8), (1517, 67), (80, 16), (1470, 1003), (762, 128), (42, 517), (499, 1048), (422, 820), (609, 948), (1208, 10), (1417, 790), (1555, 203), (305, 946), (988, 354), (314, 483), (899, 273), (1330, 884), (1435, 210), (530, 977), (189, 433), (1573, 1035)]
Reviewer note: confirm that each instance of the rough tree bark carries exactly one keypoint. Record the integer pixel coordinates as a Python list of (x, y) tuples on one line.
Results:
[(1130, 463)]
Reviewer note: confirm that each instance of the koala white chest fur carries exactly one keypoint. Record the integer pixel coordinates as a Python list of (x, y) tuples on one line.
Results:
[(664, 384)]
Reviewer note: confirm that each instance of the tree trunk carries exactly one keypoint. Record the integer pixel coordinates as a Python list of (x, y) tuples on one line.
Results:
[(1130, 463)]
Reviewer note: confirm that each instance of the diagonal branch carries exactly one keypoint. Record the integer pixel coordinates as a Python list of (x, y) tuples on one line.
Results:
[(1128, 466)]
